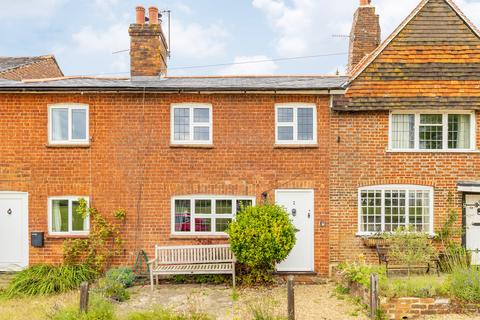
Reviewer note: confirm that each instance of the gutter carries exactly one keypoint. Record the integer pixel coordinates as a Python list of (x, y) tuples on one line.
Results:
[(336, 91)]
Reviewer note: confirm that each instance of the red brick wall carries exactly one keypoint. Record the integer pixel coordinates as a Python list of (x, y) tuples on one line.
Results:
[(46, 68), (130, 159), (360, 158)]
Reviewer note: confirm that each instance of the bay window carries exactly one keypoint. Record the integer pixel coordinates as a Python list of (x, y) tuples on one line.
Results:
[(206, 214), (436, 131), (386, 208)]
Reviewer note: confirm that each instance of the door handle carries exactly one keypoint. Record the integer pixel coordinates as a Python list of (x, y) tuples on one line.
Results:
[(309, 213)]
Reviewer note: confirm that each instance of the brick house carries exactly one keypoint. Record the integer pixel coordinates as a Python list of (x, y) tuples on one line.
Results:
[(181, 155), (20, 68)]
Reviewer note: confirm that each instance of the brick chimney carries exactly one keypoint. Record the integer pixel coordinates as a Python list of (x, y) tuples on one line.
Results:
[(365, 35), (148, 47)]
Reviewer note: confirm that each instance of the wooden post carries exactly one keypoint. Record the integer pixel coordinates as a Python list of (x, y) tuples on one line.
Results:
[(84, 288), (373, 295), (291, 298)]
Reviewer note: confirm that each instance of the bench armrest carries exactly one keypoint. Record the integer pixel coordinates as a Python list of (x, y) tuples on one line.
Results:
[(152, 261)]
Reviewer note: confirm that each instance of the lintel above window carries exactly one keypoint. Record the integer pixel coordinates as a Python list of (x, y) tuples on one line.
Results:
[(68, 123), (450, 131), (295, 123), (191, 123)]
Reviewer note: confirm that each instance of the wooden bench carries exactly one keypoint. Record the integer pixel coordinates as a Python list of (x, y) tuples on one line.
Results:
[(186, 260), (391, 265)]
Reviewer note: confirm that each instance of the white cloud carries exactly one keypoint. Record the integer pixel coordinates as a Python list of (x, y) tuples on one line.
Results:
[(29, 8), (198, 41), (250, 65), (307, 26), (92, 47)]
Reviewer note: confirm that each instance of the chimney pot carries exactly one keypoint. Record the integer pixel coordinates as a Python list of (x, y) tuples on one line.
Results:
[(153, 15), (365, 2), (140, 15)]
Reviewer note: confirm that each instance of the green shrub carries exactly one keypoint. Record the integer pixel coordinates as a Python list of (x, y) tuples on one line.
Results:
[(113, 290), (261, 237), (361, 272), (203, 278), (162, 314), (465, 284), (419, 286), (48, 279), (124, 275), (99, 309), (454, 257), (409, 247)]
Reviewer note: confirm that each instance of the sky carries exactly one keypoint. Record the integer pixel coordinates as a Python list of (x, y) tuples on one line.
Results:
[(84, 34)]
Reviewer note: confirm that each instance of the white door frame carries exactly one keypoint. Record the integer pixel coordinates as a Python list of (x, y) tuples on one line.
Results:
[(23, 196), (311, 227)]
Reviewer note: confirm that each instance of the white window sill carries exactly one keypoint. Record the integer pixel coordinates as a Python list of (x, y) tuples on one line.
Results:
[(68, 145), (432, 151), (192, 145), (192, 236), (295, 146), (379, 235), (67, 235)]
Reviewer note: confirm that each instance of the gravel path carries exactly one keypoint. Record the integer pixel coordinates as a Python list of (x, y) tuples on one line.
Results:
[(313, 302)]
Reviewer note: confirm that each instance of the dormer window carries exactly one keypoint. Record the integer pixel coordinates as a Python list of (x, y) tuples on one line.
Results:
[(68, 124), (432, 131)]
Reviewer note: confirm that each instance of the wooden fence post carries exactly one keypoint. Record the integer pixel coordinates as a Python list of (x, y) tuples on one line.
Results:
[(291, 298), (84, 288), (373, 295)]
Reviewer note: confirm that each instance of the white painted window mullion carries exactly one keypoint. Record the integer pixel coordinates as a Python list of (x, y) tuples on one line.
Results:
[(417, 131), (445, 131), (382, 210)]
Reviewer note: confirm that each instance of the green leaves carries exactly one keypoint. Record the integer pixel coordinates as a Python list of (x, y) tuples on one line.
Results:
[(262, 236), (48, 279)]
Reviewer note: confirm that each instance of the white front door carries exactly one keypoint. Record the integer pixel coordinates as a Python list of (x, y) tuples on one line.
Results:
[(13, 231), (473, 226), (299, 205)]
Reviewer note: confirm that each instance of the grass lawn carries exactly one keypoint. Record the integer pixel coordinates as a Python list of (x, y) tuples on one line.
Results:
[(38, 308)]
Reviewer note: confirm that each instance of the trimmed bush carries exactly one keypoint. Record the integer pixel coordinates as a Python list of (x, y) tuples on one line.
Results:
[(48, 279), (465, 284), (261, 237), (124, 275)]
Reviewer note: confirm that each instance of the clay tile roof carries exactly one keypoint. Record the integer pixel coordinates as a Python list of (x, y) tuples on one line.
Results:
[(9, 63), (367, 60)]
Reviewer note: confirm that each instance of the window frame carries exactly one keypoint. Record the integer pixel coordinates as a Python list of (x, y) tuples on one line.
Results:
[(70, 107), (445, 114), (192, 125), (213, 215), (295, 106), (70, 231), (400, 187)]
